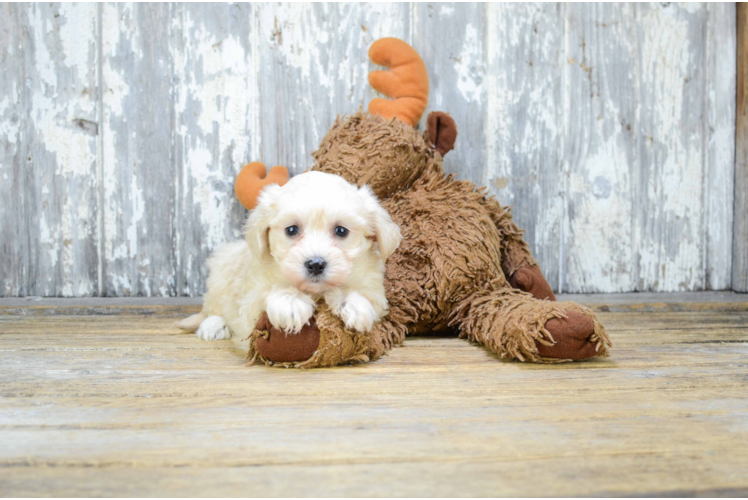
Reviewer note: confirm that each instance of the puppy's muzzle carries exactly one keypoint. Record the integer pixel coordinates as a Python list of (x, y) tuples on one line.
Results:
[(315, 266)]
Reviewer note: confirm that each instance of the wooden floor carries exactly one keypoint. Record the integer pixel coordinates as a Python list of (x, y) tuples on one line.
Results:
[(120, 404)]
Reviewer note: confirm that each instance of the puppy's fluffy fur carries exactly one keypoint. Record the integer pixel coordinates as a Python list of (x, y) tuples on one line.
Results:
[(295, 252)]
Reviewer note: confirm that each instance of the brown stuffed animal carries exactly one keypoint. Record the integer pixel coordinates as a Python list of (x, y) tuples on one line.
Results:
[(462, 266)]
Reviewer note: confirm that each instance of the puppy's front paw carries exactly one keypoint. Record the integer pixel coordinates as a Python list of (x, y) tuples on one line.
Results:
[(289, 312), (213, 328), (358, 313)]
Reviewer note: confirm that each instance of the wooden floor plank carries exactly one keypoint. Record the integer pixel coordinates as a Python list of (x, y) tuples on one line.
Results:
[(176, 306), (124, 405)]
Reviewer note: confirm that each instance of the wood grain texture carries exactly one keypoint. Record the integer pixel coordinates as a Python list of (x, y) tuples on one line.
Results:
[(14, 263), (313, 67), (670, 185), (740, 236), (124, 405), (185, 306), (600, 155), (646, 170), (215, 93), (609, 128), (451, 38), (719, 168), (524, 124), (48, 136), (138, 163)]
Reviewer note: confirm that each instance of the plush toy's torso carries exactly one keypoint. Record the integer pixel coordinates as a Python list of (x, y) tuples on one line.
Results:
[(450, 247)]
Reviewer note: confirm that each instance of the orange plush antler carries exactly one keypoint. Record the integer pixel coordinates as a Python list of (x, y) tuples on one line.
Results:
[(251, 180), (407, 81)]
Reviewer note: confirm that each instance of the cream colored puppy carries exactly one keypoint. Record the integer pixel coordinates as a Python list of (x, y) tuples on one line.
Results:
[(316, 237)]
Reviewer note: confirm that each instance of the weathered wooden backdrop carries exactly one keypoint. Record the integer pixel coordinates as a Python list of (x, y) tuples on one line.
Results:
[(610, 128)]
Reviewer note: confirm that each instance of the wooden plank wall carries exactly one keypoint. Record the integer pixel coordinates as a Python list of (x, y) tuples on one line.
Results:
[(610, 128), (740, 238)]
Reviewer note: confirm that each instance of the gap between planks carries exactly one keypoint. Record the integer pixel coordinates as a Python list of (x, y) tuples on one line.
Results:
[(177, 306)]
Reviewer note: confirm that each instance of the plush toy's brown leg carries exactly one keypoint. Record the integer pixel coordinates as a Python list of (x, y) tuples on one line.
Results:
[(530, 279), (515, 325), (519, 266), (324, 342), (515, 253)]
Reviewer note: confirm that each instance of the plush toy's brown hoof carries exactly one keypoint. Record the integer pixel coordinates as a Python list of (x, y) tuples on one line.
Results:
[(280, 347), (531, 280), (573, 336)]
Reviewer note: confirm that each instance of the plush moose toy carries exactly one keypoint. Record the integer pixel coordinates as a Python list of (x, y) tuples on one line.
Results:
[(462, 266)]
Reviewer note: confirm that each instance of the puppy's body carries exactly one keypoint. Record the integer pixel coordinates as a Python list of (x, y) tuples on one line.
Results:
[(317, 237)]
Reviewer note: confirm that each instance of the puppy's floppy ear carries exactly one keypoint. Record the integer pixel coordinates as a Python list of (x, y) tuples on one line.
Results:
[(258, 223), (385, 232)]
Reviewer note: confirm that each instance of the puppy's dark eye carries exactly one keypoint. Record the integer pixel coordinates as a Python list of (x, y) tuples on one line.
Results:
[(341, 232), (292, 231)]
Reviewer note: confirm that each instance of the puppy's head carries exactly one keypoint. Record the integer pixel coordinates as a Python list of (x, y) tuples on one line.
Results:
[(318, 227)]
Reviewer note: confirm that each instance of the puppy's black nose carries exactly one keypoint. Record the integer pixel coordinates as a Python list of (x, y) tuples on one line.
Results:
[(315, 266)]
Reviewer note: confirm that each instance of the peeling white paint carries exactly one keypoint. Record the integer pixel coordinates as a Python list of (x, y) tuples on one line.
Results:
[(9, 128), (138, 209), (720, 158), (469, 63), (446, 10), (49, 241), (77, 25), (540, 123), (59, 87), (288, 30), (674, 147), (523, 129), (216, 100), (213, 217), (53, 116), (601, 222)]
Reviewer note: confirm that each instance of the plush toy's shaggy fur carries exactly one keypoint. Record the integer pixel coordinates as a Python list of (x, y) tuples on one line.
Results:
[(461, 253), (462, 266)]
